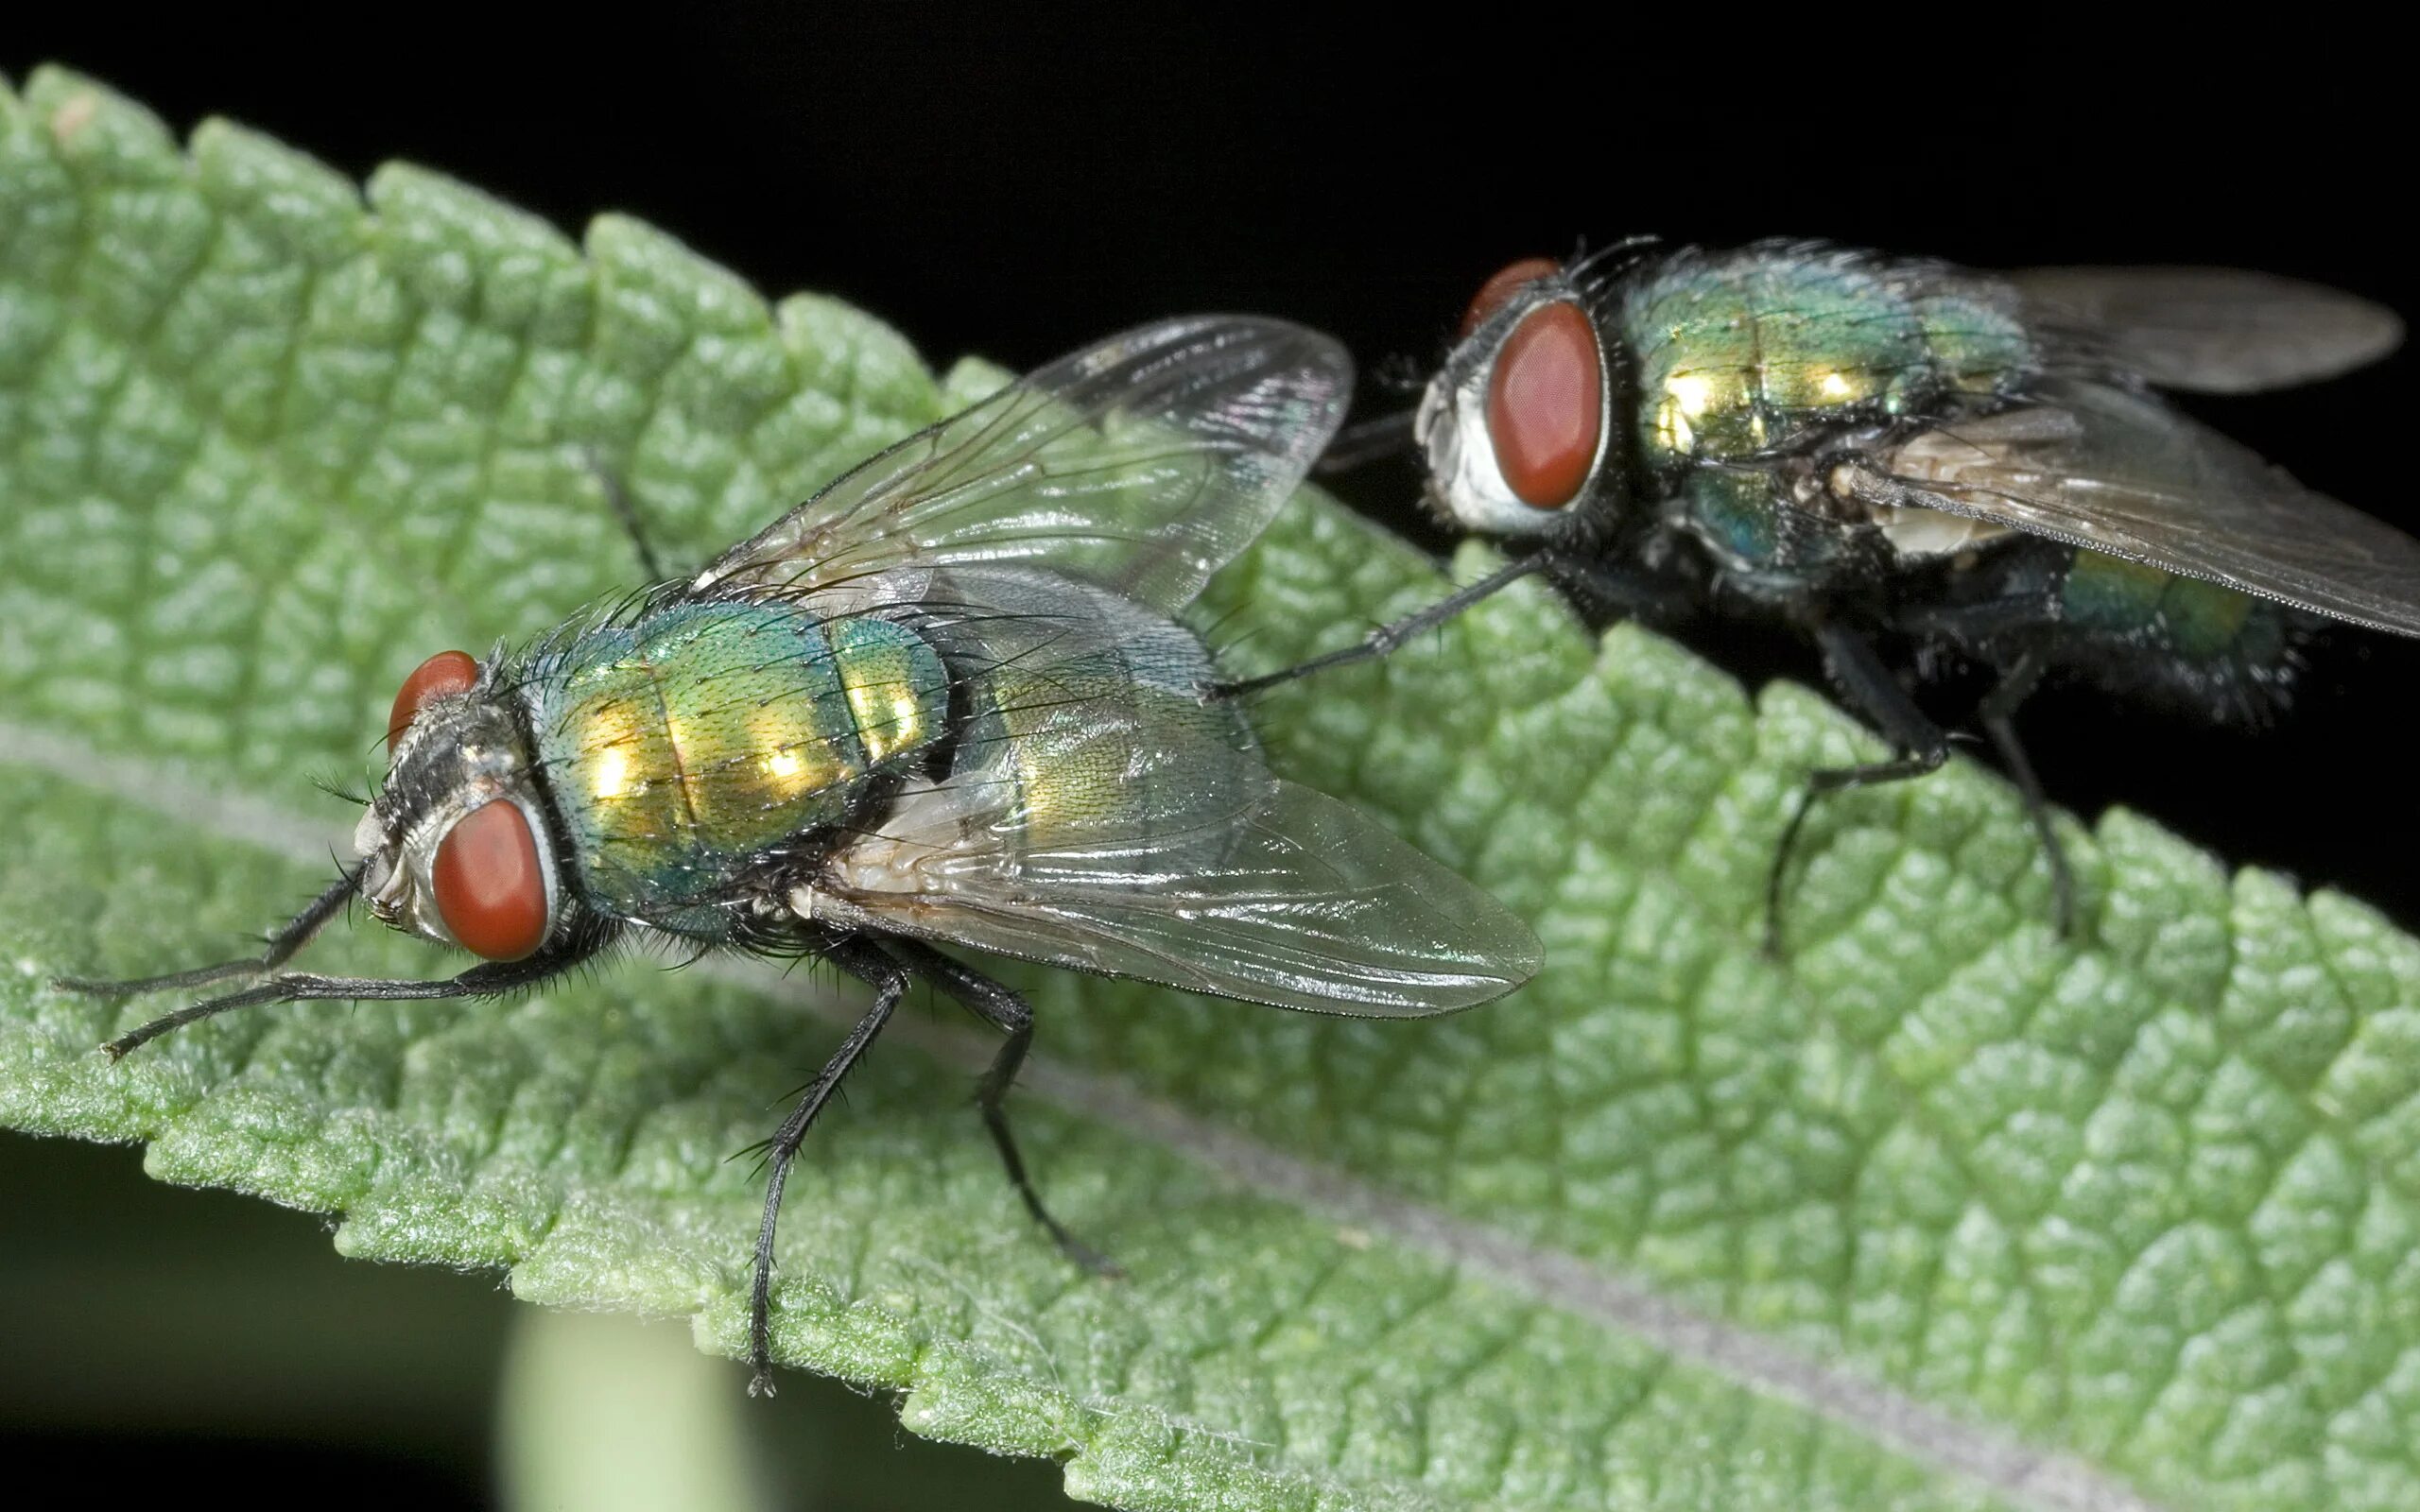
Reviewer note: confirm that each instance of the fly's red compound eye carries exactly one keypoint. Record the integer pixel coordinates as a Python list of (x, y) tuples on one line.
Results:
[(1497, 291), (1545, 405), (445, 673), (491, 889)]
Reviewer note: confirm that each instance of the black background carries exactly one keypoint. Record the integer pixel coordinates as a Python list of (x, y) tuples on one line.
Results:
[(1013, 186), (1017, 184)]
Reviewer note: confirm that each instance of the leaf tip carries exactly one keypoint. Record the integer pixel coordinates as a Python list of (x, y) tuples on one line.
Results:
[(78, 110), (971, 379)]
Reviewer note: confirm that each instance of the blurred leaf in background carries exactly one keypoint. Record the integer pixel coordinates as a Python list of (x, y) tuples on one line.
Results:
[(1945, 1211), (182, 1337)]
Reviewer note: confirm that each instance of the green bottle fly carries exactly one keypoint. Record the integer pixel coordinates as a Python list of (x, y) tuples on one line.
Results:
[(947, 700), (1896, 455)]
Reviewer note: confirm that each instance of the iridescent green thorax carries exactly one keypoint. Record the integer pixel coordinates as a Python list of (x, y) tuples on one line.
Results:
[(1752, 530), (1737, 352), (681, 749), (1736, 513)]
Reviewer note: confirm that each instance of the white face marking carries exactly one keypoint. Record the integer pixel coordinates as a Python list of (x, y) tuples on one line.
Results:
[(397, 879), (370, 846), (394, 878), (1451, 427)]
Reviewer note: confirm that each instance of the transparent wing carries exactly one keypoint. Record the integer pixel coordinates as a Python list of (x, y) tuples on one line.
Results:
[(1312, 907), (2120, 472), (1141, 464), (1097, 815), (2210, 330)]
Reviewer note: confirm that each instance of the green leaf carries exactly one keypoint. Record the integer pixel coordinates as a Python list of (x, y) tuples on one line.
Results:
[(1945, 1213)]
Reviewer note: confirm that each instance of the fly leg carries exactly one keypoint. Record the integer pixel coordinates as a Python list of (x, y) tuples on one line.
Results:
[(1010, 1013), (487, 979), (627, 513), (1388, 638), (290, 938), (1996, 714), (1868, 685), (888, 979), (1610, 593)]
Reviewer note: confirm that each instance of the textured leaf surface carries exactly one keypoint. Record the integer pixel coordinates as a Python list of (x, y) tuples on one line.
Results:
[(1948, 1213)]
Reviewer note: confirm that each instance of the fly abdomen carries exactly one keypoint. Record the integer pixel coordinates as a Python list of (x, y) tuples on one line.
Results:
[(2137, 628), (684, 751), (1062, 681), (2126, 627)]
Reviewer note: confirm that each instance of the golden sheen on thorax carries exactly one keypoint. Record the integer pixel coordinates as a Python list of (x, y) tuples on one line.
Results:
[(681, 753), (1735, 356)]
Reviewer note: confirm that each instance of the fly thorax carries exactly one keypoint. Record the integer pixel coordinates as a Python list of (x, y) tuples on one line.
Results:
[(1772, 533), (1743, 353), (699, 749)]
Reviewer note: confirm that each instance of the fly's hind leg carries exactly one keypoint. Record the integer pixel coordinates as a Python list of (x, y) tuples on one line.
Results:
[(1996, 714), (1008, 1012), (1868, 685)]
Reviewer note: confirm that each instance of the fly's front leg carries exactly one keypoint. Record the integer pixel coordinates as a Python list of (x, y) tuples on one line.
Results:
[(1388, 638), (1610, 591), (1866, 682), (487, 979), (292, 936), (1008, 1012)]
